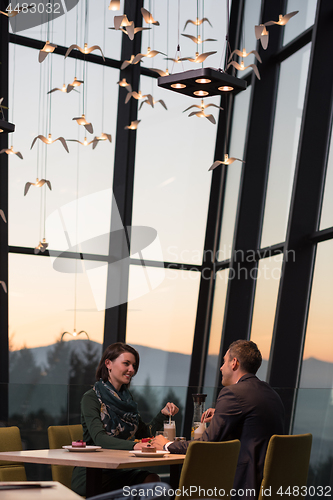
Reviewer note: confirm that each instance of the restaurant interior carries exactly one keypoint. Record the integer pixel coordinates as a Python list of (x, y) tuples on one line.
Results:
[(215, 226)]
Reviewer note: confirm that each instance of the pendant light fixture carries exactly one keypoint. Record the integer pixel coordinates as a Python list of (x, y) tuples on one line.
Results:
[(203, 82)]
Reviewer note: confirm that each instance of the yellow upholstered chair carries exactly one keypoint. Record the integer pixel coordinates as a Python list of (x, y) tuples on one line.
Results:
[(208, 465), (286, 466), (10, 440), (63, 435)]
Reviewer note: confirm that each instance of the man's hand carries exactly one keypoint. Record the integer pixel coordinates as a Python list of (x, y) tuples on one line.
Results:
[(159, 441), (170, 409), (207, 415)]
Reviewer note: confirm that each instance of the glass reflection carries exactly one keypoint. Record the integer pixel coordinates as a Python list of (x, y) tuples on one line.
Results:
[(268, 280), (289, 108)]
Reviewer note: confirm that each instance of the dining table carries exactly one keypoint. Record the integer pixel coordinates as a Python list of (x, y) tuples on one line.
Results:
[(97, 460), (36, 490)]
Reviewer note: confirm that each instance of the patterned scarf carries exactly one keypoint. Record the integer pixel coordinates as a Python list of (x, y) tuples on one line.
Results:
[(119, 413)]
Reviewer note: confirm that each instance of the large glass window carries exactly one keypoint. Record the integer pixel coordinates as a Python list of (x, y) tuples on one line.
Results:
[(220, 293), (237, 141), (80, 173), (163, 319), (172, 182), (44, 303), (87, 22), (303, 20), (268, 280), (287, 125)]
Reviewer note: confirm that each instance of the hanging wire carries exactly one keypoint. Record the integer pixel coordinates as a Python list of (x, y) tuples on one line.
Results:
[(167, 36), (178, 51)]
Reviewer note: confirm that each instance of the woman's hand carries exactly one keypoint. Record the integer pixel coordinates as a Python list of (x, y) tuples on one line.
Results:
[(207, 415), (170, 409), (159, 441)]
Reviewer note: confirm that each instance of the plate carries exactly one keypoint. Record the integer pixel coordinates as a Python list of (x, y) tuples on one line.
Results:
[(87, 448), (147, 454)]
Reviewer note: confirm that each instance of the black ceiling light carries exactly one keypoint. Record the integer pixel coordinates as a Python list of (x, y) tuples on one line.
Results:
[(6, 127), (203, 82)]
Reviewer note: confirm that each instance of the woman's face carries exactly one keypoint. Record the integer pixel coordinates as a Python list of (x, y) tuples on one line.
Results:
[(121, 369)]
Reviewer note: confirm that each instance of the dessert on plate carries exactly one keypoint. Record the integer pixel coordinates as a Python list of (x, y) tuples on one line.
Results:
[(79, 444)]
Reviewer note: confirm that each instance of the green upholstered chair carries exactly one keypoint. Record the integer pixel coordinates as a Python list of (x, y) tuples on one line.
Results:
[(209, 465), (286, 466), (10, 440), (63, 435)]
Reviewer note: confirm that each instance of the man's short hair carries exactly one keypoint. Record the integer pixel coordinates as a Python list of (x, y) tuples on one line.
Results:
[(248, 355)]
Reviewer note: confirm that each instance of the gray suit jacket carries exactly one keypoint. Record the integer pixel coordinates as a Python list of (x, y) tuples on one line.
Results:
[(252, 412)]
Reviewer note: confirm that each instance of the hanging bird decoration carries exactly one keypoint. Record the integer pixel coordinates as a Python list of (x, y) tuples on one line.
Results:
[(282, 19), (261, 32), (241, 67), (150, 53), (38, 183), (3, 284), (199, 58), (81, 120), (102, 137), (41, 247), (2, 215), (123, 24), (201, 113), (160, 71), (64, 89), (85, 142), (243, 54), (2, 107), (138, 96), (262, 35), (152, 104), (49, 140), (125, 84), (76, 83), (46, 50), (84, 50), (133, 126), (148, 17), (114, 5), (127, 62), (197, 22), (75, 333), (11, 151), (198, 39), (227, 161)]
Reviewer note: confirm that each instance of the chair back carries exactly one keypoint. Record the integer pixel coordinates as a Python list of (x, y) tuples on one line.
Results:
[(286, 466), (208, 466), (10, 440), (63, 435)]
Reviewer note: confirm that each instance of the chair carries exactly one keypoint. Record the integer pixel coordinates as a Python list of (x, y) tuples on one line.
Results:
[(149, 491), (209, 465), (286, 466), (10, 440), (62, 435)]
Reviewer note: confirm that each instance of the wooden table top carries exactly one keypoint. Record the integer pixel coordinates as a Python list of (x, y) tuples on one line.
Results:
[(56, 491), (101, 459)]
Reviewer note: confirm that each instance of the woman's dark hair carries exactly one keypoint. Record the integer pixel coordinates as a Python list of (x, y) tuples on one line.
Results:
[(112, 352)]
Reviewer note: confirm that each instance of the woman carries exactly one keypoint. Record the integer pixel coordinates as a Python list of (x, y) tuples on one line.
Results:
[(110, 417)]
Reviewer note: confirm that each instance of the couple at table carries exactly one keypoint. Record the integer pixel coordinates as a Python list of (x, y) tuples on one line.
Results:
[(246, 409)]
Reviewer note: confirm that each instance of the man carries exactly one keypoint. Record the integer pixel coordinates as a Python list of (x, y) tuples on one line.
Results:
[(246, 409)]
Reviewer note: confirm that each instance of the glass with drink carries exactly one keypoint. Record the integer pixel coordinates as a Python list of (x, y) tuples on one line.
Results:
[(170, 430)]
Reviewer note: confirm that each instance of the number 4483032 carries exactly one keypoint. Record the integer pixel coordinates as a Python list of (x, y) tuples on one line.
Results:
[(303, 491)]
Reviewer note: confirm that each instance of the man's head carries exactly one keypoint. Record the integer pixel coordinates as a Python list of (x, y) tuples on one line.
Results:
[(243, 356)]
